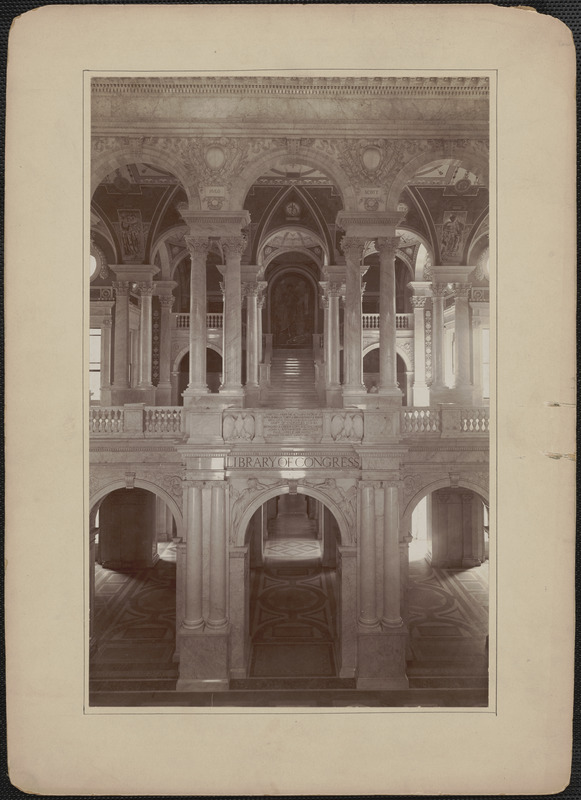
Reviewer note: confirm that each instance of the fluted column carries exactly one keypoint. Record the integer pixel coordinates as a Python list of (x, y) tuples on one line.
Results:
[(352, 345), (122, 341), (391, 557), (233, 247), (439, 291), (217, 602), (462, 378), (198, 247), (387, 317), (193, 618), (145, 335), (106, 323), (367, 557)]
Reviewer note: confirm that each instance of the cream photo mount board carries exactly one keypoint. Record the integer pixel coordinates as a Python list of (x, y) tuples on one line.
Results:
[(523, 746)]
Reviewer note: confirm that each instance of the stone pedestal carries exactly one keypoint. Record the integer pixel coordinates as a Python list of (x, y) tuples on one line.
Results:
[(381, 660), (203, 662)]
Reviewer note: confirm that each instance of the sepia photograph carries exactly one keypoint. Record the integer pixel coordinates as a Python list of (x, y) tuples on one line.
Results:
[(289, 381), (290, 400)]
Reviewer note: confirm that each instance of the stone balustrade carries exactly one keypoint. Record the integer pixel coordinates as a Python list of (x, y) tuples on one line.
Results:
[(284, 426), (213, 320), (402, 321)]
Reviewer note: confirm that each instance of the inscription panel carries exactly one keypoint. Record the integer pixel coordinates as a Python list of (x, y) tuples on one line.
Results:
[(294, 461), (293, 424)]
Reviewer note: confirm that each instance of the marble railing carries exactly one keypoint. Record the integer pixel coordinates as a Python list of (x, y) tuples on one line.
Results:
[(402, 321), (136, 419), (325, 425), (182, 321)]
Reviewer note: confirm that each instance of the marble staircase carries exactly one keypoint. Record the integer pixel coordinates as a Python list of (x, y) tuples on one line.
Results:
[(292, 380)]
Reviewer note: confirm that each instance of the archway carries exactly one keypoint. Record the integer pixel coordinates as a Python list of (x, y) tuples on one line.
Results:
[(213, 373), (133, 593), (293, 595), (371, 376), (447, 589), (293, 311)]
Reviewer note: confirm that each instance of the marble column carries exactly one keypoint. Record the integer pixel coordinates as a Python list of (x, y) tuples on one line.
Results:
[(217, 618), (261, 299), (193, 618), (421, 395), (367, 557), (334, 291), (122, 341), (166, 301), (477, 360), (106, 324), (387, 318), (233, 247), (352, 348), (145, 335), (391, 558), (439, 292), (251, 290), (198, 247), (462, 377)]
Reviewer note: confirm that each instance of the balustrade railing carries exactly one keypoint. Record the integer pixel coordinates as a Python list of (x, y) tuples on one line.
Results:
[(213, 320), (370, 322), (279, 425), (106, 419)]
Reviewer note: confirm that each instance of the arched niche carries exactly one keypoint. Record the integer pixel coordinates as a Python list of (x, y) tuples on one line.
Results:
[(292, 297)]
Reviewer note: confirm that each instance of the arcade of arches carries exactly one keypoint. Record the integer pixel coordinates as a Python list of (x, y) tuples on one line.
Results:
[(289, 376)]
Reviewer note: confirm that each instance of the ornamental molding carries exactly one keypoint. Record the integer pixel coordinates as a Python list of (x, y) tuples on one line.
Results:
[(169, 482), (439, 87)]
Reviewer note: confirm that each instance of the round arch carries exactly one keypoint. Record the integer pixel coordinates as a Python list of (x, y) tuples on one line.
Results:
[(279, 273), (109, 160), (243, 182), (139, 483), (423, 240), (399, 351), (442, 483), (469, 160), (160, 247), (240, 540), (186, 349)]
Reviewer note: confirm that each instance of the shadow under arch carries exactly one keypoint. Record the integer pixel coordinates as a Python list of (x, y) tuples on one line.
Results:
[(241, 527), (186, 349), (102, 164), (469, 160), (99, 496), (442, 483), (399, 351), (243, 183)]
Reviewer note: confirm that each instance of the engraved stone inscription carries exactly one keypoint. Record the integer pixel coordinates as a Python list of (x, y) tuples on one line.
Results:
[(294, 461), (289, 423)]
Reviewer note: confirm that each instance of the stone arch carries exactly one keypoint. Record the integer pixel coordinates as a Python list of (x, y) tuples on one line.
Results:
[(159, 246), (472, 161), (186, 349), (440, 483), (399, 351), (139, 483), (347, 535), (243, 182), (108, 160)]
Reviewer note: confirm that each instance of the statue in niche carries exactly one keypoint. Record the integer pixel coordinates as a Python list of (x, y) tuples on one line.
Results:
[(452, 235), (291, 312)]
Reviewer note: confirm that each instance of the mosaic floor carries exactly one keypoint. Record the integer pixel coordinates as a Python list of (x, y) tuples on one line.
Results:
[(135, 625)]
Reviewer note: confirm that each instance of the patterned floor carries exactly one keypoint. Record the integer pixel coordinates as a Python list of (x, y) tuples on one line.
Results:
[(134, 623), (448, 624), (292, 600)]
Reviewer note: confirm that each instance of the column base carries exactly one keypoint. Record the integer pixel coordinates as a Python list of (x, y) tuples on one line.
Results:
[(354, 395), (381, 659), (203, 661), (392, 394), (334, 396), (193, 392)]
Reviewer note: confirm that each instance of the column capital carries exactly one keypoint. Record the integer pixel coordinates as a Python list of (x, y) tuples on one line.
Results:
[(198, 246), (166, 301), (233, 246), (353, 247), (418, 301), (145, 288), (460, 290), (387, 245), (253, 288), (440, 289), (121, 288)]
